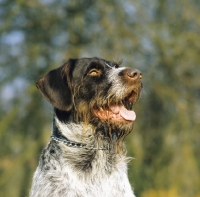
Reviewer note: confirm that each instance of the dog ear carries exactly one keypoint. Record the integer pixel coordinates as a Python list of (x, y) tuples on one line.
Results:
[(56, 86)]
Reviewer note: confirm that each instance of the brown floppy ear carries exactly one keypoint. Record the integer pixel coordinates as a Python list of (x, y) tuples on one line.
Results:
[(56, 86)]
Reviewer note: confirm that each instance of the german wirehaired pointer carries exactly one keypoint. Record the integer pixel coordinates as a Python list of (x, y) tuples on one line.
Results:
[(92, 100)]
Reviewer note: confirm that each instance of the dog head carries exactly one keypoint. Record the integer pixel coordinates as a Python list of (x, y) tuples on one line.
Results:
[(94, 91)]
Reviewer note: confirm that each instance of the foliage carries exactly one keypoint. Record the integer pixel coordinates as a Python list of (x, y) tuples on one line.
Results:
[(161, 38)]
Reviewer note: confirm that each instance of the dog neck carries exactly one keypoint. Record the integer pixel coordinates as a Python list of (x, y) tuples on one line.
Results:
[(73, 144), (76, 135), (98, 149)]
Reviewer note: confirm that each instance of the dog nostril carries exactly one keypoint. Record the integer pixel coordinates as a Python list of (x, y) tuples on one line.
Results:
[(134, 74)]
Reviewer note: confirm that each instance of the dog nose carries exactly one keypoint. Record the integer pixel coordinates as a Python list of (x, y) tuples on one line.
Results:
[(134, 74)]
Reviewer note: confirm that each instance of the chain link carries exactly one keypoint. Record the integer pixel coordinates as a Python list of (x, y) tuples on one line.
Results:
[(78, 145)]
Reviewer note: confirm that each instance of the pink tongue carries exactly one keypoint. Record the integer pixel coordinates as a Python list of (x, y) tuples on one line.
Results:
[(126, 114)]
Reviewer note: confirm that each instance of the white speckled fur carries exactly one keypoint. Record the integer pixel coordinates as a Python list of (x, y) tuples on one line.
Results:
[(67, 181), (118, 88)]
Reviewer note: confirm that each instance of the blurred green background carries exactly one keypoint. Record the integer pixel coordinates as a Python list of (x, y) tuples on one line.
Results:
[(159, 37)]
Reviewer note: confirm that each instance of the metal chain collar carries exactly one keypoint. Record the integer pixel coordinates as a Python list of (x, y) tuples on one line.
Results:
[(77, 144)]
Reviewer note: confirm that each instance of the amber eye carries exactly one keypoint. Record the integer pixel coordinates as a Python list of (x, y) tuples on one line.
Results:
[(94, 72)]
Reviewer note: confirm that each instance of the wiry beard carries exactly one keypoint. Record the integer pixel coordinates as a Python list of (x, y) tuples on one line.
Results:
[(116, 131)]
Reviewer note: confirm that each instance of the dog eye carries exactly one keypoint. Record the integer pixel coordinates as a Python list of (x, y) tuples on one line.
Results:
[(94, 72)]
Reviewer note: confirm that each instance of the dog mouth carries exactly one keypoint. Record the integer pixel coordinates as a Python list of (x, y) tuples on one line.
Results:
[(120, 111)]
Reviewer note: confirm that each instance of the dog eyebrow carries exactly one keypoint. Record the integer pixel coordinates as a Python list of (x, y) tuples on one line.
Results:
[(109, 65)]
